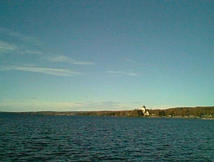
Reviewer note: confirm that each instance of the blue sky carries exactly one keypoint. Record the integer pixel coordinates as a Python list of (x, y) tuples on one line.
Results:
[(73, 55)]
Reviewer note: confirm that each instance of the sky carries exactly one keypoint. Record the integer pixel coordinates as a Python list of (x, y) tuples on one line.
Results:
[(77, 55)]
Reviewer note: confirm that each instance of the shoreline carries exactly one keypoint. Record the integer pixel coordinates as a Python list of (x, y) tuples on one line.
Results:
[(204, 113)]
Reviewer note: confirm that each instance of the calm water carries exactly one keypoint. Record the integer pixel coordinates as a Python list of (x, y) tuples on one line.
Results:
[(64, 138)]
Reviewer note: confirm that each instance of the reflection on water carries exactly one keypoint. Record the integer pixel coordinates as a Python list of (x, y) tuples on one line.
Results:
[(66, 138)]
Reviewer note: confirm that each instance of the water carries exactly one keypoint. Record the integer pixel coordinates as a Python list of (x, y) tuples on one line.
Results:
[(73, 138)]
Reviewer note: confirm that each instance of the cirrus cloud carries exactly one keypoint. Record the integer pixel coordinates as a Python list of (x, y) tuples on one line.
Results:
[(44, 70), (65, 59), (4, 46), (119, 73)]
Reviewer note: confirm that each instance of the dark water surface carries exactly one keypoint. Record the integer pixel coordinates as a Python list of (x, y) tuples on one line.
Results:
[(73, 138)]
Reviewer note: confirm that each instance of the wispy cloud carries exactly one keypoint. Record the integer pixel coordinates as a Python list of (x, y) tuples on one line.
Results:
[(21, 44), (4, 46), (32, 52), (44, 70), (20, 36), (66, 59), (114, 72), (30, 46)]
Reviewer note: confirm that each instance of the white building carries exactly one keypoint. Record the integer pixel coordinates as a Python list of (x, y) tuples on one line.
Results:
[(144, 111)]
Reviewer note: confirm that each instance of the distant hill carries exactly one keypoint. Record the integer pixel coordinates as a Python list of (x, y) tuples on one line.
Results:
[(125, 113), (201, 112), (182, 112)]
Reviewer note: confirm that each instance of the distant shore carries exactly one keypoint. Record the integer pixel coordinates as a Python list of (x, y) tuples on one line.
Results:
[(179, 112)]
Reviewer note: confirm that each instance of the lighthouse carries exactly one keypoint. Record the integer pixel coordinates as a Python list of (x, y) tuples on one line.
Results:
[(144, 110)]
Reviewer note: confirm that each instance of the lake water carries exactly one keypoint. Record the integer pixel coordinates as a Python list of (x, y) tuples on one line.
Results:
[(73, 138)]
